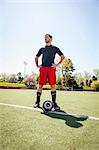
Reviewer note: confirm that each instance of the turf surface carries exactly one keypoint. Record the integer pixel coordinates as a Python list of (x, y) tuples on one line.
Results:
[(22, 129)]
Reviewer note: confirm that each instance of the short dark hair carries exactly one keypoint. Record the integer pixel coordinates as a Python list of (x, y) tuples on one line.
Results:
[(49, 35)]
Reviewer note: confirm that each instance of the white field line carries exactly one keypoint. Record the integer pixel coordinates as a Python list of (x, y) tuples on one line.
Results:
[(20, 106), (37, 109)]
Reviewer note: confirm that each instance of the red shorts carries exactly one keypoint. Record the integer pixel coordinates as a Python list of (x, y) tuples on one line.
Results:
[(47, 73)]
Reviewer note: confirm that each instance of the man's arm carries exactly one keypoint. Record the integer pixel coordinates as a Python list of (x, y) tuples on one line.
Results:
[(37, 56), (61, 59), (60, 53), (36, 61)]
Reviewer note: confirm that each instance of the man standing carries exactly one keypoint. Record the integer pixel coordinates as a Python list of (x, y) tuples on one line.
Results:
[(48, 69)]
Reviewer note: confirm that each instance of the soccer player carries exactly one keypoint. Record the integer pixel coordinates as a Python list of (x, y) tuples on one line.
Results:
[(48, 69)]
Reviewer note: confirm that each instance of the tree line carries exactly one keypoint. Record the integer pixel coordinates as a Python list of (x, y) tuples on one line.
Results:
[(66, 77)]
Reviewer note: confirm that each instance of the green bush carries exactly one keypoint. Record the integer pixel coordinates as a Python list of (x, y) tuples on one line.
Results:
[(12, 84), (95, 85), (87, 88)]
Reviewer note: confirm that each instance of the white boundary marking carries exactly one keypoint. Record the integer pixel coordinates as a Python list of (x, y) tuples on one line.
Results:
[(37, 109), (20, 106)]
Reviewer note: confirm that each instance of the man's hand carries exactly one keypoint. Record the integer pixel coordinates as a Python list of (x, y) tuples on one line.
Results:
[(62, 58), (39, 66), (54, 65)]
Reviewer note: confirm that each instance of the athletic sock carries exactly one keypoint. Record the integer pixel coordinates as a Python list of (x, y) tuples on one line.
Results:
[(38, 97), (53, 94)]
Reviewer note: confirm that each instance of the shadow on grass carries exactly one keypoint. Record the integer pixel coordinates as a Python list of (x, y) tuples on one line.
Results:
[(70, 120)]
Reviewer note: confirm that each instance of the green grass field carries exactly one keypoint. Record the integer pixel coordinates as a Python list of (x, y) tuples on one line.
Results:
[(22, 129)]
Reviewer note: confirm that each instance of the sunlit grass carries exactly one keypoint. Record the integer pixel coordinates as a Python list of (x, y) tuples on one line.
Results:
[(22, 129)]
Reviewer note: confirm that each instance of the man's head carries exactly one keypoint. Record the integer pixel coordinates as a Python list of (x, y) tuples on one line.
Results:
[(48, 38)]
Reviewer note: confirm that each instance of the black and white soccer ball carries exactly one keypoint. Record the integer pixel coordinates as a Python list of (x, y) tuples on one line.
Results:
[(47, 105)]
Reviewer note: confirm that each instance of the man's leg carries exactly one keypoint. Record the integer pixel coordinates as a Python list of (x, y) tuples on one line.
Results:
[(53, 94), (39, 92), (42, 81), (52, 82)]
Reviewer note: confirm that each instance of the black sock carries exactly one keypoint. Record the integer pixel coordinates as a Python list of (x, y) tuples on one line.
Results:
[(53, 93), (38, 97)]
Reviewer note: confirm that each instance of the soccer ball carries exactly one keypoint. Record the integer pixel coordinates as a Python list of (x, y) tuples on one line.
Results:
[(47, 105)]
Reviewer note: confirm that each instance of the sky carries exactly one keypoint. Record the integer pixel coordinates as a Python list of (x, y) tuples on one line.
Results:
[(74, 25)]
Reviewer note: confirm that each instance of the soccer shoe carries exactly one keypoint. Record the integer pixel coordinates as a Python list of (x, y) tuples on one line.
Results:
[(56, 107), (36, 105)]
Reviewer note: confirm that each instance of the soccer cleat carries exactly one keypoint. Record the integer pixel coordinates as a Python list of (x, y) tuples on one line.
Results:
[(36, 105), (56, 107)]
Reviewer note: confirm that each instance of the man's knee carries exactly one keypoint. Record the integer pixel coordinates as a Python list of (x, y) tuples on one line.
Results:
[(40, 86), (52, 86)]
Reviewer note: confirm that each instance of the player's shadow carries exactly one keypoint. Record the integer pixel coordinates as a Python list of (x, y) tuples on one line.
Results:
[(70, 120)]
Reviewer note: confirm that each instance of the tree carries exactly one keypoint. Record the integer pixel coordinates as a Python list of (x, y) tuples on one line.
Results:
[(87, 75), (94, 78), (90, 81), (19, 75), (30, 81), (4, 77), (87, 82), (67, 65), (96, 73), (37, 79), (67, 69), (12, 78), (59, 80), (79, 78)]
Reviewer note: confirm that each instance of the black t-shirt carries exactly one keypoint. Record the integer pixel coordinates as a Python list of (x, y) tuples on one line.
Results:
[(48, 55)]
